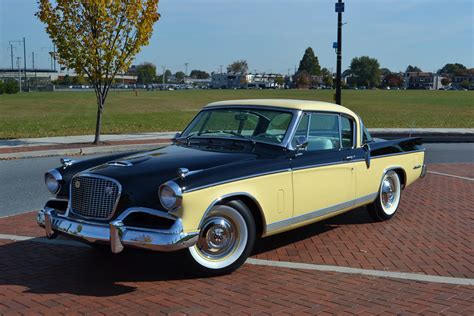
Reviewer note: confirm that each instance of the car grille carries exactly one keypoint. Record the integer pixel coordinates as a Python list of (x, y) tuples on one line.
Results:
[(94, 196)]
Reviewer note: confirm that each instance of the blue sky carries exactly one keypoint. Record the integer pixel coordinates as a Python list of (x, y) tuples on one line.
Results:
[(273, 34)]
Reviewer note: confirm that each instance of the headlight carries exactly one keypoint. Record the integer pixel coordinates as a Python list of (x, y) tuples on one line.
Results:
[(51, 179), (170, 195)]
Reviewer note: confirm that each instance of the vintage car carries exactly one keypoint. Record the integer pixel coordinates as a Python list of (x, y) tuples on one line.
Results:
[(240, 170)]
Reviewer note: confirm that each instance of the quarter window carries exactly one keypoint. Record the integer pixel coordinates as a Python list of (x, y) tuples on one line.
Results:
[(347, 132)]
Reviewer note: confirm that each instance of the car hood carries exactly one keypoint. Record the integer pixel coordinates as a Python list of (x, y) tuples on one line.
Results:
[(141, 175)]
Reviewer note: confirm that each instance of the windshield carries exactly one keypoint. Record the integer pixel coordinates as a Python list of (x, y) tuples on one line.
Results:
[(251, 124)]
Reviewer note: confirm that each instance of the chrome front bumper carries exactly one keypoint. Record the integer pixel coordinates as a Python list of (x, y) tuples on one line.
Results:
[(116, 233)]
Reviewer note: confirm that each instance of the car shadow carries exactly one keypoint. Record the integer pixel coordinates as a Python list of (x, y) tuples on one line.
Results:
[(46, 268), (356, 216)]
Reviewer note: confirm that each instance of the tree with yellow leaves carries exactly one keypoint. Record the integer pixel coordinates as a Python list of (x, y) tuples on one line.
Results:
[(98, 38)]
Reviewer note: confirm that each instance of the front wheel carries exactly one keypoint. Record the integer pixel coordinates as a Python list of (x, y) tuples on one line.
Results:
[(388, 200), (225, 241)]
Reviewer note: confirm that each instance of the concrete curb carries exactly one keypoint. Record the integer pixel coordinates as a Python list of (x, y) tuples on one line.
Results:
[(80, 151)]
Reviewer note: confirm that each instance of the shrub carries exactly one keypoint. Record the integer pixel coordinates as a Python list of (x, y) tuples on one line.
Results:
[(11, 86)]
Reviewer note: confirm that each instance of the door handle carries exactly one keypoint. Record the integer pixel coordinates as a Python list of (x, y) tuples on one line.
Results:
[(347, 158)]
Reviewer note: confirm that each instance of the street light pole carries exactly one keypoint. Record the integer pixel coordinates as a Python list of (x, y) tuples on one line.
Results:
[(339, 10), (19, 71)]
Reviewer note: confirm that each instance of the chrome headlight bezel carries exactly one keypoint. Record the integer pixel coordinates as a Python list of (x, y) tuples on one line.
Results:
[(171, 196), (52, 180)]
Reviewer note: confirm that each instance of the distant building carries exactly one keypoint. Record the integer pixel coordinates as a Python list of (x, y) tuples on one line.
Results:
[(422, 80), (456, 81), (246, 81)]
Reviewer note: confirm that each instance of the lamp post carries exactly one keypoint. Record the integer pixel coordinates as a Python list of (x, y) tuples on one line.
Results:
[(339, 11)]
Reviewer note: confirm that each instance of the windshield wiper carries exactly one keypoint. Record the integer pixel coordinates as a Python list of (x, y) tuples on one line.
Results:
[(247, 138)]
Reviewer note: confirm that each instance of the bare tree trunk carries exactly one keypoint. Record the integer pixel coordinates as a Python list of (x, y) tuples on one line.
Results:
[(100, 108)]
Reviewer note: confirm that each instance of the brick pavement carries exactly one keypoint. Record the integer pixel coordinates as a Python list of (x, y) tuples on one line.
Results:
[(53, 279), (431, 234)]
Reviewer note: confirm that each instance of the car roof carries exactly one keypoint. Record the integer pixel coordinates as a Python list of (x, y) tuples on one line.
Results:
[(304, 105)]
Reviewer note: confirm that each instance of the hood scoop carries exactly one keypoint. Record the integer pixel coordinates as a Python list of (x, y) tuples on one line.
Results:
[(129, 162)]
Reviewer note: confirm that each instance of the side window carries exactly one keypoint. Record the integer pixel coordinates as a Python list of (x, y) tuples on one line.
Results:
[(347, 132), (323, 132)]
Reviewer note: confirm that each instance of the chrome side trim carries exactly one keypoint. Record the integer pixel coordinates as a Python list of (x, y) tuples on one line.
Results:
[(100, 177), (120, 163), (327, 164), (226, 196), (318, 213), (236, 179)]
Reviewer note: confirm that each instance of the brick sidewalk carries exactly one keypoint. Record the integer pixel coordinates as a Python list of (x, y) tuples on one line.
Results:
[(432, 234)]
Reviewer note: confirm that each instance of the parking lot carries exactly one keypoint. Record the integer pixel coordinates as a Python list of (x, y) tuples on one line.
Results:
[(422, 261)]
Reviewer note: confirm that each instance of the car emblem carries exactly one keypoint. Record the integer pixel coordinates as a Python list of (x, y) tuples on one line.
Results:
[(77, 184), (109, 190)]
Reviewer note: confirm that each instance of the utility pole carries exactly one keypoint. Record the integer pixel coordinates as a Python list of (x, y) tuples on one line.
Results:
[(24, 63), (11, 53), (34, 69), (54, 56), (19, 71), (186, 69), (339, 11), (163, 67)]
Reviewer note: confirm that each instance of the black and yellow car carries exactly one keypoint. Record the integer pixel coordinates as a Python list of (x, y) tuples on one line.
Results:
[(241, 170)]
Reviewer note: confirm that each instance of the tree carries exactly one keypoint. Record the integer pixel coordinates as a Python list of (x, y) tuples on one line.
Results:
[(146, 73), (199, 74), (2, 87), (98, 39), (465, 84), (279, 80), (385, 72), (393, 80), (411, 68), (11, 86), (445, 81), (453, 70), (327, 77), (310, 63), (366, 71), (180, 76), (238, 67), (303, 79)]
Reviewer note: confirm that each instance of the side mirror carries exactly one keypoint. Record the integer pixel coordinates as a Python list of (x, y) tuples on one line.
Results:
[(176, 136), (367, 154), (301, 143)]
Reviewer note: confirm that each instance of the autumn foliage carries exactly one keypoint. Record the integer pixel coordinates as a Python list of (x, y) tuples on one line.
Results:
[(98, 38)]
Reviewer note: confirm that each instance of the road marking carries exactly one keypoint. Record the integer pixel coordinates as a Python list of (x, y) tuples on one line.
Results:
[(376, 273), (450, 175), (289, 265)]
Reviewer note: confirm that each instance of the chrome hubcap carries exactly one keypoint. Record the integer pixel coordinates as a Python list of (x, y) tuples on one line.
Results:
[(388, 192), (218, 238)]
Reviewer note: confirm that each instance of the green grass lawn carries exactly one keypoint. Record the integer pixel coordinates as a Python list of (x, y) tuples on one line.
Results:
[(41, 114)]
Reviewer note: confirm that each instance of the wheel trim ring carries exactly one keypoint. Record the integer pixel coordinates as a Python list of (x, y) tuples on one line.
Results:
[(390, 193), (237, 250)]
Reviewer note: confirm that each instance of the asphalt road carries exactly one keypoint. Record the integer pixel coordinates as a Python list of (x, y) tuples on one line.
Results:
[(22, 186)]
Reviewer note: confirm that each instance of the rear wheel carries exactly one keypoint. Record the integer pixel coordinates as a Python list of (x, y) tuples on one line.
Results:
[(388, 200), (225, 241)]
